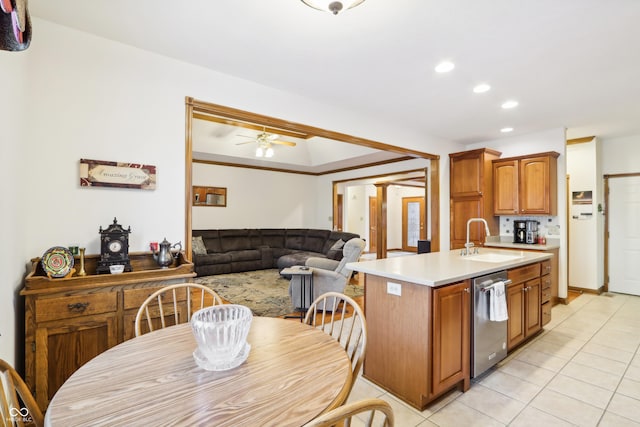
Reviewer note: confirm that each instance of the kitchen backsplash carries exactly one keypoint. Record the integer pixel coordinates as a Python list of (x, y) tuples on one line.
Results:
[(547, 225)]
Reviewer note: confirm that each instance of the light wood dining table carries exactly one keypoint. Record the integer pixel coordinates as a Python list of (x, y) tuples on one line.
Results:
[(294, 372)]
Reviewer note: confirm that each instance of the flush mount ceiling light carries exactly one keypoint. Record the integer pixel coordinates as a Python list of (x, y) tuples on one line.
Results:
[(445, 67), (481, 88), (510, 104), (506, 130), (334, 7)]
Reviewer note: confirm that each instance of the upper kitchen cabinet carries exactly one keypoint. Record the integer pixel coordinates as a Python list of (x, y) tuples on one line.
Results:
[(526, 185), (471, 195)]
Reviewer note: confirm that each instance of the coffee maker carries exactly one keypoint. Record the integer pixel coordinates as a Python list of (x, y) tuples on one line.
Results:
[(525, 231), (519, 231), (532, 231)]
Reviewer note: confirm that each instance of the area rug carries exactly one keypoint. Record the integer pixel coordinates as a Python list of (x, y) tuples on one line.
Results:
[(263, 291)]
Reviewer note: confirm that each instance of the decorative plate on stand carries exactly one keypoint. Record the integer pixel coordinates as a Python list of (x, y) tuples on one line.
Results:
[(57, 261)]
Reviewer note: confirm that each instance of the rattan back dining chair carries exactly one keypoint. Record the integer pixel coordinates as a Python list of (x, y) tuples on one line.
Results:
[(369, 412), (341, 317), (172, 305), (17, 405)]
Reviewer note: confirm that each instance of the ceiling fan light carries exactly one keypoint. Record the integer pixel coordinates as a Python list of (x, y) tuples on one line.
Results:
[(269, 152), (259, 152), (332, 6)]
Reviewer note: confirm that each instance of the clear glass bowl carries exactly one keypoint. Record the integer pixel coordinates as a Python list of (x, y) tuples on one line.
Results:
[(221, 333)]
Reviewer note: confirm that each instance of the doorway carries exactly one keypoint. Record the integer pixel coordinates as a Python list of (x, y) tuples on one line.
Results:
[(218, 113), (412, 223), (623, 230)]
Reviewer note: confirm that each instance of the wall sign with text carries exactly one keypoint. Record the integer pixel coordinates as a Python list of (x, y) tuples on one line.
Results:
[(99, 173)]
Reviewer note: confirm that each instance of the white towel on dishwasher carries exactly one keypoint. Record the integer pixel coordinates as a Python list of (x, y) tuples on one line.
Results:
[(498, 302)]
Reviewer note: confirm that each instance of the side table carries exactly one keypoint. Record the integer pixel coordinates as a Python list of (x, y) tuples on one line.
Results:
[(305, 275)]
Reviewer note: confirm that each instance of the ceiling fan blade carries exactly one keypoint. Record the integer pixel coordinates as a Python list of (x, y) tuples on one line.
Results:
[(290, 144), (247, 136), (242, 143)]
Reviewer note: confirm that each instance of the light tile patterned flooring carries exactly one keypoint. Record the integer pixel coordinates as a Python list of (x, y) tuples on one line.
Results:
[(583, 370)]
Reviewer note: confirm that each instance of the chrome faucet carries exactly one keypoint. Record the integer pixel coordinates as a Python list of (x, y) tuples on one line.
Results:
[(469, 245)]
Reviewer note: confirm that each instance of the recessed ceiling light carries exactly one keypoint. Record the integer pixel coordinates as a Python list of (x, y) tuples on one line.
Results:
[(445, 67), (509, 104), (481, 88), (506, 130)]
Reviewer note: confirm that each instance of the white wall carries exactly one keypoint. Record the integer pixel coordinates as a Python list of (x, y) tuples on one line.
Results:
[(539, 142), (621, 155), (255, 198), (81, 96), (12, 263)]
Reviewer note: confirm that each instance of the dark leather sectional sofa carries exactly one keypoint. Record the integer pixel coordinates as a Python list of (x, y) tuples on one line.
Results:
[(235, 250)]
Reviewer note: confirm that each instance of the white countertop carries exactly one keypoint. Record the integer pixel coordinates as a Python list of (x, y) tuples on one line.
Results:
[(508, 244), (441, 268)]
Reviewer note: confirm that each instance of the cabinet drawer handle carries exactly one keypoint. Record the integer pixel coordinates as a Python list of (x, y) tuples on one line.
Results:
[(467, 290), (78, 307)]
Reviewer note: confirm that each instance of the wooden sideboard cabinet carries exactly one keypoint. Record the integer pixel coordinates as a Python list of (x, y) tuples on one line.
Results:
[(471, 195), (68, 321), (525, 185)]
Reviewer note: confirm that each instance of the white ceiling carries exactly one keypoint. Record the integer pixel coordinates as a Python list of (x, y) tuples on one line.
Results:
[(571, 63)]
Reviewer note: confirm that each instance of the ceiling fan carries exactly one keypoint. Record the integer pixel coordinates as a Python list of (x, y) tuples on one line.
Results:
[(264, 140)]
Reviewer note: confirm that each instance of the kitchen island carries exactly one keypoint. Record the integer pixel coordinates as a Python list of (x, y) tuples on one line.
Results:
[(418, 315)]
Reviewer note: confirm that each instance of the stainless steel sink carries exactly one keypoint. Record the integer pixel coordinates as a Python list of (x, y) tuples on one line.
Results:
[(492, 257)]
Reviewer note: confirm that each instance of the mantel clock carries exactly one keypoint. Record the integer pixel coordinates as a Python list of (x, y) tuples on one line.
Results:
[(114, 247)]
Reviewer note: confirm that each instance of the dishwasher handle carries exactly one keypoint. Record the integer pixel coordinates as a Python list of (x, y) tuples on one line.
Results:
[(490, 284)]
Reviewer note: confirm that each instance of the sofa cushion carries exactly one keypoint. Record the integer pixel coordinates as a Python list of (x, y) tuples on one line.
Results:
[(211, 239), (335, 236), (315, 239), (296, 258), (337, 245), (246, 255), (197, 244), (212, 259), (294, 238), (273, 237), (235, 240)]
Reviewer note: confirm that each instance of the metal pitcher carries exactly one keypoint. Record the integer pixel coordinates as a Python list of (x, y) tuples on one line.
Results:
[(163, 255)]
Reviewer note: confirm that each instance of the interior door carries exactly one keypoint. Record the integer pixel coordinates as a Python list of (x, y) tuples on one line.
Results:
[(412, 223), (624, 235), (373, 224)]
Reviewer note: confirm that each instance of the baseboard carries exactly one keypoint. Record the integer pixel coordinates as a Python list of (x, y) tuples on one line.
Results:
[(586, 290)]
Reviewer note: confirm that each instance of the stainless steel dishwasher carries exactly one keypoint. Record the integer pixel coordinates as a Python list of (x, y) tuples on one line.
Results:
[(489, 338)]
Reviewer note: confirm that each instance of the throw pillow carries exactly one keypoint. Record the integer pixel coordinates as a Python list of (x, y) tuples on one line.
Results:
[(337, 245), (197, 244)]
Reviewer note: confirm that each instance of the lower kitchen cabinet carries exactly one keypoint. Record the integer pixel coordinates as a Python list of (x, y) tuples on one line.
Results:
[(69, 321), (418, 341), (523, 304), (451, 348)]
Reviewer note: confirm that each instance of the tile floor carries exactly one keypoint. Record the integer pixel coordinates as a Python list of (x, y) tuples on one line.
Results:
[(583, 370)]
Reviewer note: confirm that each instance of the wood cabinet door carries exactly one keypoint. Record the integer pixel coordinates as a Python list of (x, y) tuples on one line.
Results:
[(451, 346), (505, 187), (515, 311), (535, 192), (461, 210), (64, 346), (533, 313), (466, 175)]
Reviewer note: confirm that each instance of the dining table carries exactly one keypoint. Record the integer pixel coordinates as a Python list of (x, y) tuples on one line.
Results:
[(293, 373)]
